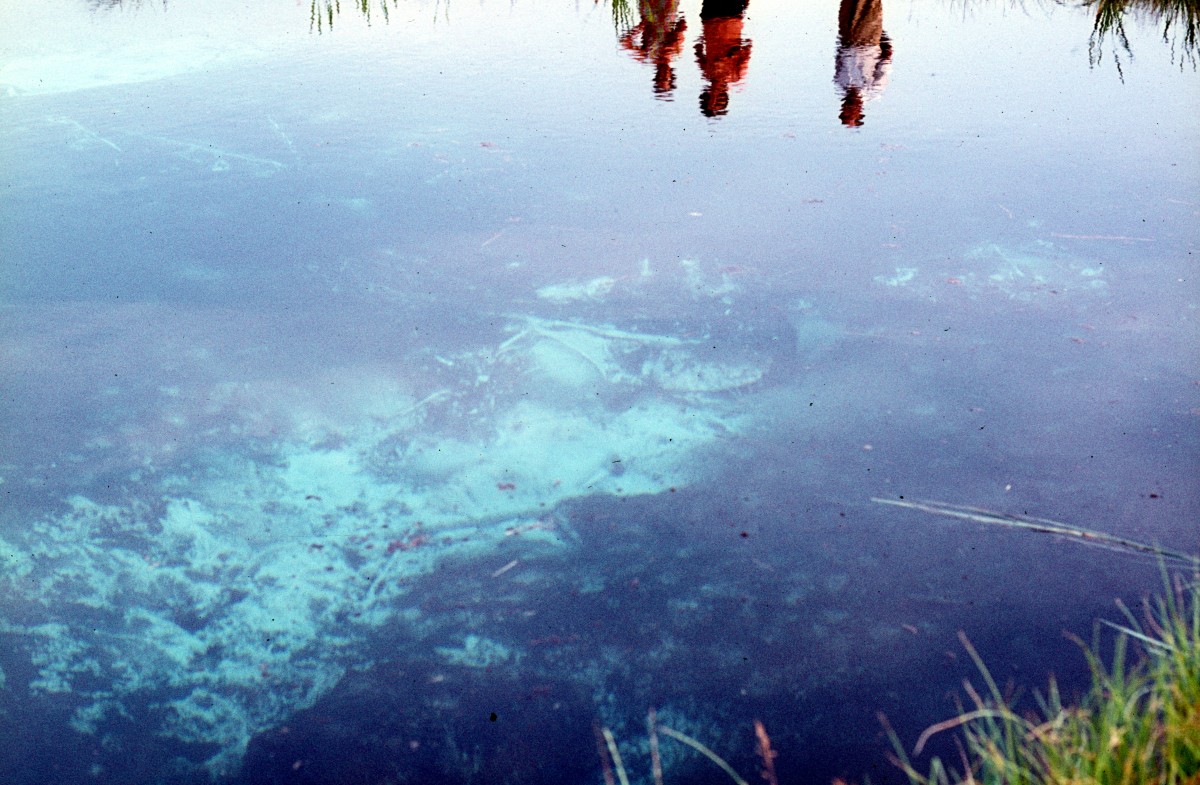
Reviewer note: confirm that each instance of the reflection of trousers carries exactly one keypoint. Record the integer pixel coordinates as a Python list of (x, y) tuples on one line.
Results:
[(714, 9), (863, 68), (860, 22)]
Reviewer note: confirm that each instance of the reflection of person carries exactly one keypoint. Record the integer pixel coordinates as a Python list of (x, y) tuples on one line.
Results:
[(864, 57), (657, 39), (722, 53)]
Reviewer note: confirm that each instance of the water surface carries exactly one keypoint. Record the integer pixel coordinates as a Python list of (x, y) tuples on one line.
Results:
[(400, 398)]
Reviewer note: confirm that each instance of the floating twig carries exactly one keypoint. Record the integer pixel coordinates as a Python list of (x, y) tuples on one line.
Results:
[(1045, 526), (1115, 237)]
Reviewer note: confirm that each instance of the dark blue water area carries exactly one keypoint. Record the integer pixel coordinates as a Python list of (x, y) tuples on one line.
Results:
[(414, 402)]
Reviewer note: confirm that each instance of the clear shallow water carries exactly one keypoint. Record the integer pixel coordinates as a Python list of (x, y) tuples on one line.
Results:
[(362, 385)]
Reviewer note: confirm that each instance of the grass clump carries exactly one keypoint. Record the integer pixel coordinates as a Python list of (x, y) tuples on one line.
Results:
[(1139, 724)]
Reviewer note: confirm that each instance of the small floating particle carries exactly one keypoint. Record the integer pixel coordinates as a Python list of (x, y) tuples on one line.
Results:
[(506, 486), (910, 628)]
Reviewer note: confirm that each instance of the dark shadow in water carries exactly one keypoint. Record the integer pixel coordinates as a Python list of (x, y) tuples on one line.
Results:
[(864, 57)]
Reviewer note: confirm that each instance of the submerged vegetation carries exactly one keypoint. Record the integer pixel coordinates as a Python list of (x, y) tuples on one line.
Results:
[(614, 765), (1139, 724)]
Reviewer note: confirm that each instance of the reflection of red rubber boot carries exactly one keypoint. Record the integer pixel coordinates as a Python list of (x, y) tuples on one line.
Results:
[(852, 109)]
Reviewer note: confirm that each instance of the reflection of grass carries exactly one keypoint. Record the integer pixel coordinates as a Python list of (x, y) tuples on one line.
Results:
[(622, 15), (322, 12), (1138, 725), (1180, 20)]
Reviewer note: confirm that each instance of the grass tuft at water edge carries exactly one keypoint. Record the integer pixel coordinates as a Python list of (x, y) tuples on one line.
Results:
[(1139, 724)]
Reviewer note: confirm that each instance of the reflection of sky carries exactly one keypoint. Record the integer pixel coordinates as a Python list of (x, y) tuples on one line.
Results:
[(517, 146), (792, 43), (997, 100), (986, 68), (993, 125), (987, 110)]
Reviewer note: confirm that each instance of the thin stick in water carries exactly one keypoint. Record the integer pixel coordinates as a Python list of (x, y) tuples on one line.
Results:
[(767, 754), (616, 756), (1043, 525), (705, 751), (655, 758)]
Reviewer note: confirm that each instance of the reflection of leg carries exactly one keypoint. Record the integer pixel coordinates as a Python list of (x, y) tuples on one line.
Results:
[(860, 22), (664, 78)]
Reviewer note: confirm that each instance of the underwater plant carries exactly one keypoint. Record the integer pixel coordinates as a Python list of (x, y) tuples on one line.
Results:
[(614, 766)]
